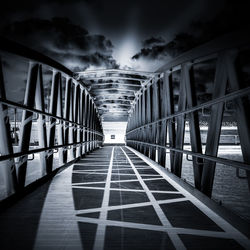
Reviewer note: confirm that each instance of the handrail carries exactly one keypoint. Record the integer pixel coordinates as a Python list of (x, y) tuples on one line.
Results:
[(233, 163), (154, 106), (38, 150), (30, 54), (228, 41), (230, 96), (21, 106), (78, 126)]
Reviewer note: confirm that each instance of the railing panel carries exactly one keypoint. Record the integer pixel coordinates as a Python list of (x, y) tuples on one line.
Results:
[(7, 170), (49, 133), (214, 125), (195, 138), (202, 103)]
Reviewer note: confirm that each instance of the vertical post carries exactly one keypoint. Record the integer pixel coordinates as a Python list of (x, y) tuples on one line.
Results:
[(180, 121), (15, 124), (7, 169), (80, 121), (26, 124), (66, 116), (52, 123), (87, 123), (168, 86), (139, 122), (143, 120), (84, 120), (72, 119), (41, 122), (195, 137), (241, 111), (148, 119), (214, 126), (91, 125), (76, 118), (59, 113), (156, 115), (163, 125)]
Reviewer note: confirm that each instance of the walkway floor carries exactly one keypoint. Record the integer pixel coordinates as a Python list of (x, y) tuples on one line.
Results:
[(112, 199)]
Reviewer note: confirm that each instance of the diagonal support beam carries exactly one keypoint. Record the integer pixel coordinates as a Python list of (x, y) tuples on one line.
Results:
[(195, 136), (41, 122), (7, 170), (53, 110), (168, 86), (26, 123), (241, 110), (181, 121), (214, 125)]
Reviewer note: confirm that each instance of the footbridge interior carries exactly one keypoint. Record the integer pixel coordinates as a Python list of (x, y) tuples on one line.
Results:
[(181, 180)]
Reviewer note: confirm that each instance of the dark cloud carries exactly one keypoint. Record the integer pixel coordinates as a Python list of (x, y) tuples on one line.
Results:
[(64, 41), (153, 41), (16, 5), (234, 16), (179, 44)]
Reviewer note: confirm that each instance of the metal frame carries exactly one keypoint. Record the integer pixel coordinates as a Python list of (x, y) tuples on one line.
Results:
[(144, 136), (68, 127), (125, 83)]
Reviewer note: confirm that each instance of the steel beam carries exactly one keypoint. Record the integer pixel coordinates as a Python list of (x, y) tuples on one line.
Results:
[(60, 130), (56, 78), (41, 122), (26, 123), (7, 169), (84, 104), (68, 89), (195, 137), (214, 126), (180, 121), (168, 86), (162, 125), (241, 110)]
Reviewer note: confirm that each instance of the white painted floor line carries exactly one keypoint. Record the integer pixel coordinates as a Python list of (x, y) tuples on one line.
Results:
[(87, 183), (112, 189), (133, 205), (165, 222), (101, 228), (228, 228), (151, 227), (119, 174), (129, 190), (101, 182), (89, 164), (91, 188), (90, 171), (165, 192)]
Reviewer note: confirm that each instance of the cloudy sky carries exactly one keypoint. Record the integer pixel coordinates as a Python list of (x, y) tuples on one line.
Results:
[(88, 34)]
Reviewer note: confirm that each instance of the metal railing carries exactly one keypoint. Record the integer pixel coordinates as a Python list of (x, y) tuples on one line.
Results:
[(76, 127), (155, 126)]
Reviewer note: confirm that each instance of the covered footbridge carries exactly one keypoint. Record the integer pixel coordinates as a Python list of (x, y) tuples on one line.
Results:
[(181, 179)]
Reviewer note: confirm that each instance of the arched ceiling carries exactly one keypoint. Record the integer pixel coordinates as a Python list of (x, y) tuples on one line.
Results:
[(114, 90)]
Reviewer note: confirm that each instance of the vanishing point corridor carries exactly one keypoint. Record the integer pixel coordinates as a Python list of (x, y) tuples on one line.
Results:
[(150, 155)]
